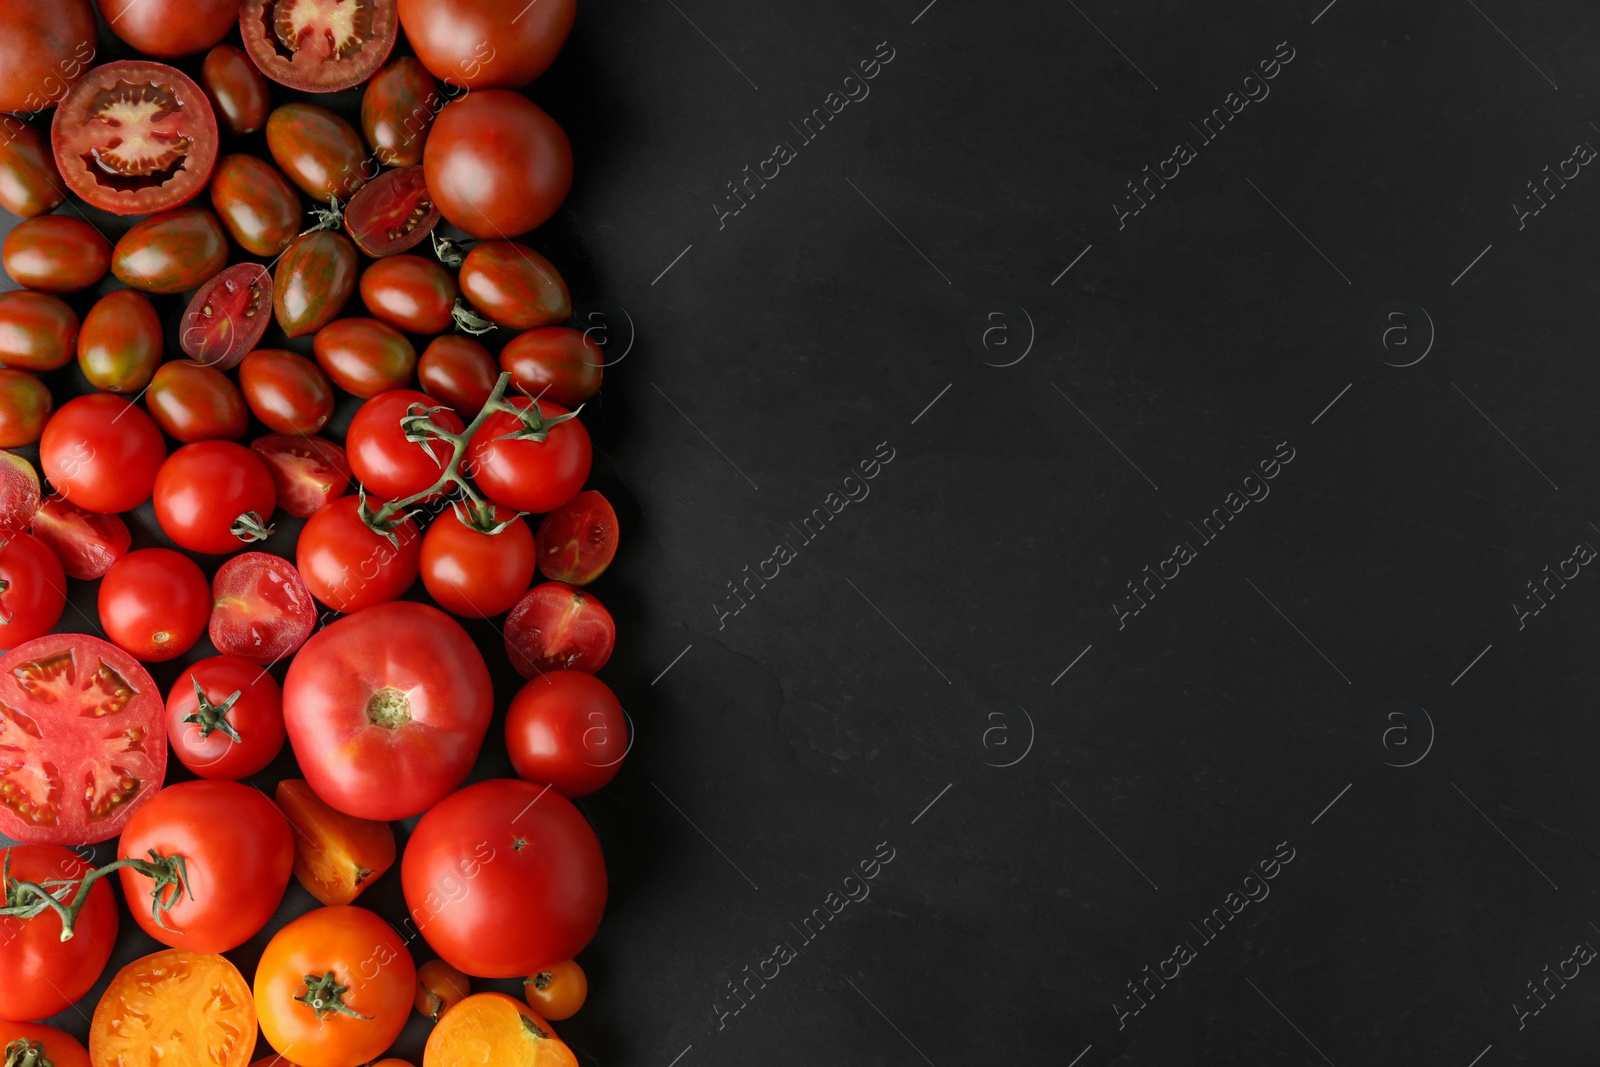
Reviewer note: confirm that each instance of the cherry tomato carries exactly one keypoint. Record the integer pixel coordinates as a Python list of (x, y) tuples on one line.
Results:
[(214, 497), (318, 150), (349, 566), (527, 474), (557, 992), (193, 402), (86, 542), (318, 47), (538, 879), (38, 332), (121, 343), (336, 856), (25, 404), (45, 1044), (171, 252), (483, 44), (514, 286), (237, 852), (287, 391), (364, 356), (410, 293), (471, 572), (558, 363), (33, 590), (197, 1005), (44, 50), (578, 540), (494, 1028), (307, 471), (154, 603), (45, 975), (459, 372), (170, 28), (102, 453), (566, 729), (396, 110), (237, 90), (440, 987), (497, 165), (555, 627), (256, 203), (393, 213), (315, 276), (387, 465), (29, 182), (56, 253), (19, 493), (225, 720), (261, 610), (133, 137)]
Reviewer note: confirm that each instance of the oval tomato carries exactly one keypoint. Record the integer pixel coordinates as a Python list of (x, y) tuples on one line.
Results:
[(170, 28), (56, 253), (237, 91), (308, 472), (154, 603), (19, 492), (387, 465), (315, 276), (38, 332), (171, 252), (578, 540), (459, 372), (538, 879), (558, 627), (514, 286), (225, 720), (557, 992), (497, 164), (261, 610), (86, 542), (25, 404), (102, 453), (396, 110), (86, 743), (44, 50), (527, 474), (228, 316), (29, 182), (410, 293), (45, 975), (195, 1004), (364, 356), (121, 342), (48, 1046), (392, 213), (196, 403), (557, 363), (286, 391), (133, 137), (494, 1028), (566, 729), (318, 150), (33, 589), (472, 572), (214, 497), (256, 203), (349, 566), (336, 856), (485, 44), (316, 45)]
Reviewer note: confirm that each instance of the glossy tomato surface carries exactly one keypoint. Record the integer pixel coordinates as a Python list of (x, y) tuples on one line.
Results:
[(174, 999), (171, 252), (170, 28), (392, 213), (214, 497), (58, 1047), (44, 49), (25, 405), (410, 293), (514, 286), (557, 363), (238, 92), (154, 603), (566, 729), (314, 278), (30, 184), (578, 540), (388, 466), (45, 975), (86, 542), (559, 627), (56, 253), (307, 471), (459, 372), (38, 332), (497, 164), (319, 46), (527, 474), (102, 453), (121, 342), (347, 565), (319, 151), (474, 573), (193, 402), (33, 589), (486, 44), (227, 316), (256, 203), (286, 391), (261, 610), (365, 356), (397, 108), (225, 719)]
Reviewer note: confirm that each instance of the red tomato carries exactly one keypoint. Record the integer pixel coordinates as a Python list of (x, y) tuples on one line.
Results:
[(33, 589), (410, 293), (49, 1045), (472, 572), (193, 402), (496, 164), (225, 720), (215, 497), (236, 89), (556, 363), (45, 975), (102, 453), (170, 28), (566, 728), (286, 391), (527, 474), (25, 405), (349, 566), (86, 542), (38, 332), (392, 213), (228, 316), (307, 471), (482, 44), (29, 182), (44, 49), (121, 343), (318, 47), (261, 609), (364, 356), (514, 286), (237, 853), (537, 878), (56, 253), (395, 693), (578, 540), (155, 603), (557, 627), (81, 724), (459, 372), (19, 492), (387, 465)]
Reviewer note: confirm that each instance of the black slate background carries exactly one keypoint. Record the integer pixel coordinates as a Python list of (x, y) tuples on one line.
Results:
[(926, 636)]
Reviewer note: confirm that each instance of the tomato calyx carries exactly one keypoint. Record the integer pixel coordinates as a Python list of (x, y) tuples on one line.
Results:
[(211, 717), (325, 996), (468, 320), (448, 251), (26, 1052), (542, 980), (328, 218), (482, 516), (67, 896), (389, 708), (251, 527)]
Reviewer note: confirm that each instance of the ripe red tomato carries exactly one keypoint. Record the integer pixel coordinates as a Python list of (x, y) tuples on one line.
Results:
[(85, 740), (86, 542), (388, 466), (193, 402), (459, 372), (286, 390), (307, 471), (214, 497), (46, 1043), (318, 150), (396, 110), (315, 276), (225, 720), (349, 566), (555, 627), (395, 693), (514, 286), (155, 604), (483, 44), (172, 252), (496, 164), (392, 213), (474, 573), (237, 91), (527, 474), (227, 316), (29, 182), (318, 47), (19, 492), (364, 356), (44, 50), (410, 293), (194, 1004), (45, 975), (557, 363), (133, 137), (538, 880), (170, 28), (261, 610), (578, 540), (102, 453), (238, 852), (56, 253), (121, 343), (38, 332), (33, 589), (566, 729), (25, 405)]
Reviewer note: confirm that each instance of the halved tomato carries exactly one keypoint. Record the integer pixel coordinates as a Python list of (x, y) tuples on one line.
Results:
[(261, 609), (578, 540), (19, 492), (336, 856), (86, 542), (558, 627), (85, 736), (228, 316), (307, 471), (135, 137), (392, 213), (320, 46), (175, 1007)]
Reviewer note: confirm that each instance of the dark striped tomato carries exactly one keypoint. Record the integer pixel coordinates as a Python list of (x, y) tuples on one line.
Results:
[(315, 276), (56, 253), (256, 203), (171, 252)]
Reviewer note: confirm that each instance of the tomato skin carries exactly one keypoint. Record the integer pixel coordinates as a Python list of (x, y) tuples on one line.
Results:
[(349, 567), (392, 213), (337, 856), (256, 715), (207, 491), (38, 332), (514, 286), (29, 182), (56, 253), (558, 363), (475, 574), (396, 110), (388, 466), (102, 453), (25, 405), (315, 276), (261, 612), (57, 1046), (171, 252), (44, 50), (45, 975), (319, 151), (154, 604), (287, 391), (526, 475), (121, 342), (86, 542), (256, 203), (193, 402), (33, 590), (365, 356), (557, 992), (459, 372), (237, 90), (497, 165), (307, 471), (291, 43), (450, 39), (559, 627), (538, 879), (197, 1005), (578, 541), (566, 729), (170, 28), (410, 293)]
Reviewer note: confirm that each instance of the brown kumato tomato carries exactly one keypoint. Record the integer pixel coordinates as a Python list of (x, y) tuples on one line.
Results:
[(558, 363), (237, 90), (286, 391), (486, 44), (514, 286), (392, 213), (38, 332), (30, 184), (458, 372), (364, 356), (171, 252), (25, 405), (170, 28), (318, 150), (194, 402), (314, 279), (44, 49), (256, 203), (410, 293), (496, 164), (396, 110), (56, 253), (319, 46), (121, 342)]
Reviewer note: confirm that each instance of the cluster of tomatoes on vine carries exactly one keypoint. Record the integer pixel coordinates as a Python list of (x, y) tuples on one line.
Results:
[(262, 214)]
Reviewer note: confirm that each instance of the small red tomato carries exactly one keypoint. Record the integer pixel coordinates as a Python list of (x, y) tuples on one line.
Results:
[(86, 542), (237, 90), (25, 404), (496, 164), (557, 627), (472, 572), (364, 356), (566, 730), (19, 492), (102, 453), (38, 332), (261, 609), (256, 203), (557, 363), (227, 316), (214, 497), (396, 110), (578, 540), (225, 718), (410, 293), (307, 471), (527, 474), (170, 28), (287, 391), (121, 343), (29, 182), (33, 590), (172, 252), (315, 276), (56, 253), (196, 403), (318, 150), (154, 604), (386, 464), (459, 372), (514, 286), (348, 565)]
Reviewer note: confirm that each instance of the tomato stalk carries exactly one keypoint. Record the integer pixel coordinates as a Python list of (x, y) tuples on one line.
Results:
[(209, 716), (25, 1052), (27, 900), (250, 527), (468, 320), (325, 996)]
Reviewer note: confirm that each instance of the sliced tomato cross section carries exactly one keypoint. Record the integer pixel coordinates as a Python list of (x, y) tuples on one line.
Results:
[(392, 213), (319, 46), (228, 316)]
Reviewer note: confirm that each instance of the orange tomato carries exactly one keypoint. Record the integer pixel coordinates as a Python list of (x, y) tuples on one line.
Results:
[(336, 856), (176, 1009), (45, 1043), (440, 987), (557, 992), (494, 1030)]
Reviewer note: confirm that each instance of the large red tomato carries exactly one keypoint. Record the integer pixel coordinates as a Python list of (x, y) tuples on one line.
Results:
[(44, 49), (45, 975), (170, 28), (397, 693), (486, 44), (534, 877), (102, 453), (496, 164)]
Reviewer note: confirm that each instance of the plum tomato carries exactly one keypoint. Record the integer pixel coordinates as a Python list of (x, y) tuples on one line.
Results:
[(227, 316), (393, 213), (538, 880), (86, 542), (388, 466), (238, 92), (121, 342), (318, 46), (319, 151), (459, 372), (38, 332), (440, 987), (486, 44), (336, 856), (514, 286), (559, 627), (557, 992), (287, 391), (102, 453), (29, 182), (558, 363), (85, 740), (19, 493), (44, 50), (397, 108), (395, 693), (222, 853), (525, 473), (56, 253), (46, 1044), (256, 203), (364, 356), (578, 540), (33, 589), (496, 1028), (347, 565), (410, 293), (214, 497), (25, 405), (497, 164), (261, 610), (135, 137), (195, 1004), (566, 729), (307, 471), (472, 572), (315, 276), (171, 252), (154, 603), (167, 29), (193, 402), (46, 975), (225, 720)]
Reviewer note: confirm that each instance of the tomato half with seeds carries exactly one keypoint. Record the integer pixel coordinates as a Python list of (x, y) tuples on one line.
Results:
[(471, 571), (459, 372), (256, 203), (30, 184), (121, 342), (514, 286), (567, 729), (578, 540), (336, 856), (559, 627), (195, 1004), (38, 332), (261, 610), (482, 44), (44, 974), (102, 453), (33, 589), (364, 356), (557, 992), (319, 151), (135, 137), (558, 363), (349, 566), (44, 49), (397, 108), (286, 390), (392, 213), (383, 460), (524, 473), (171, 252), (307, 471), (227, 316), (410, 293), (25, 405), (154, 603), (56, 253), (214, 497), (237, 90), (497, 1029), (81, 723), (46, 1044), (225, 720), (314, 279), (170, 28), (86, 542), (497, 164), (193, 402), (19, 492), (319, 46)]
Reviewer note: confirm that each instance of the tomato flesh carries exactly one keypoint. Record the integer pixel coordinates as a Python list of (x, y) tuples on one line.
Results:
[(193, 1004), (86, 542), (336, 856), (494, 1028), (228, 316), (19, 493), (557, 627), (392, 213), (261, 609), (307, 471), (578, 540), (320, 46)]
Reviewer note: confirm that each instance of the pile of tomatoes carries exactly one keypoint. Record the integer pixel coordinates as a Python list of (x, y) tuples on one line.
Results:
[(282, 257)]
